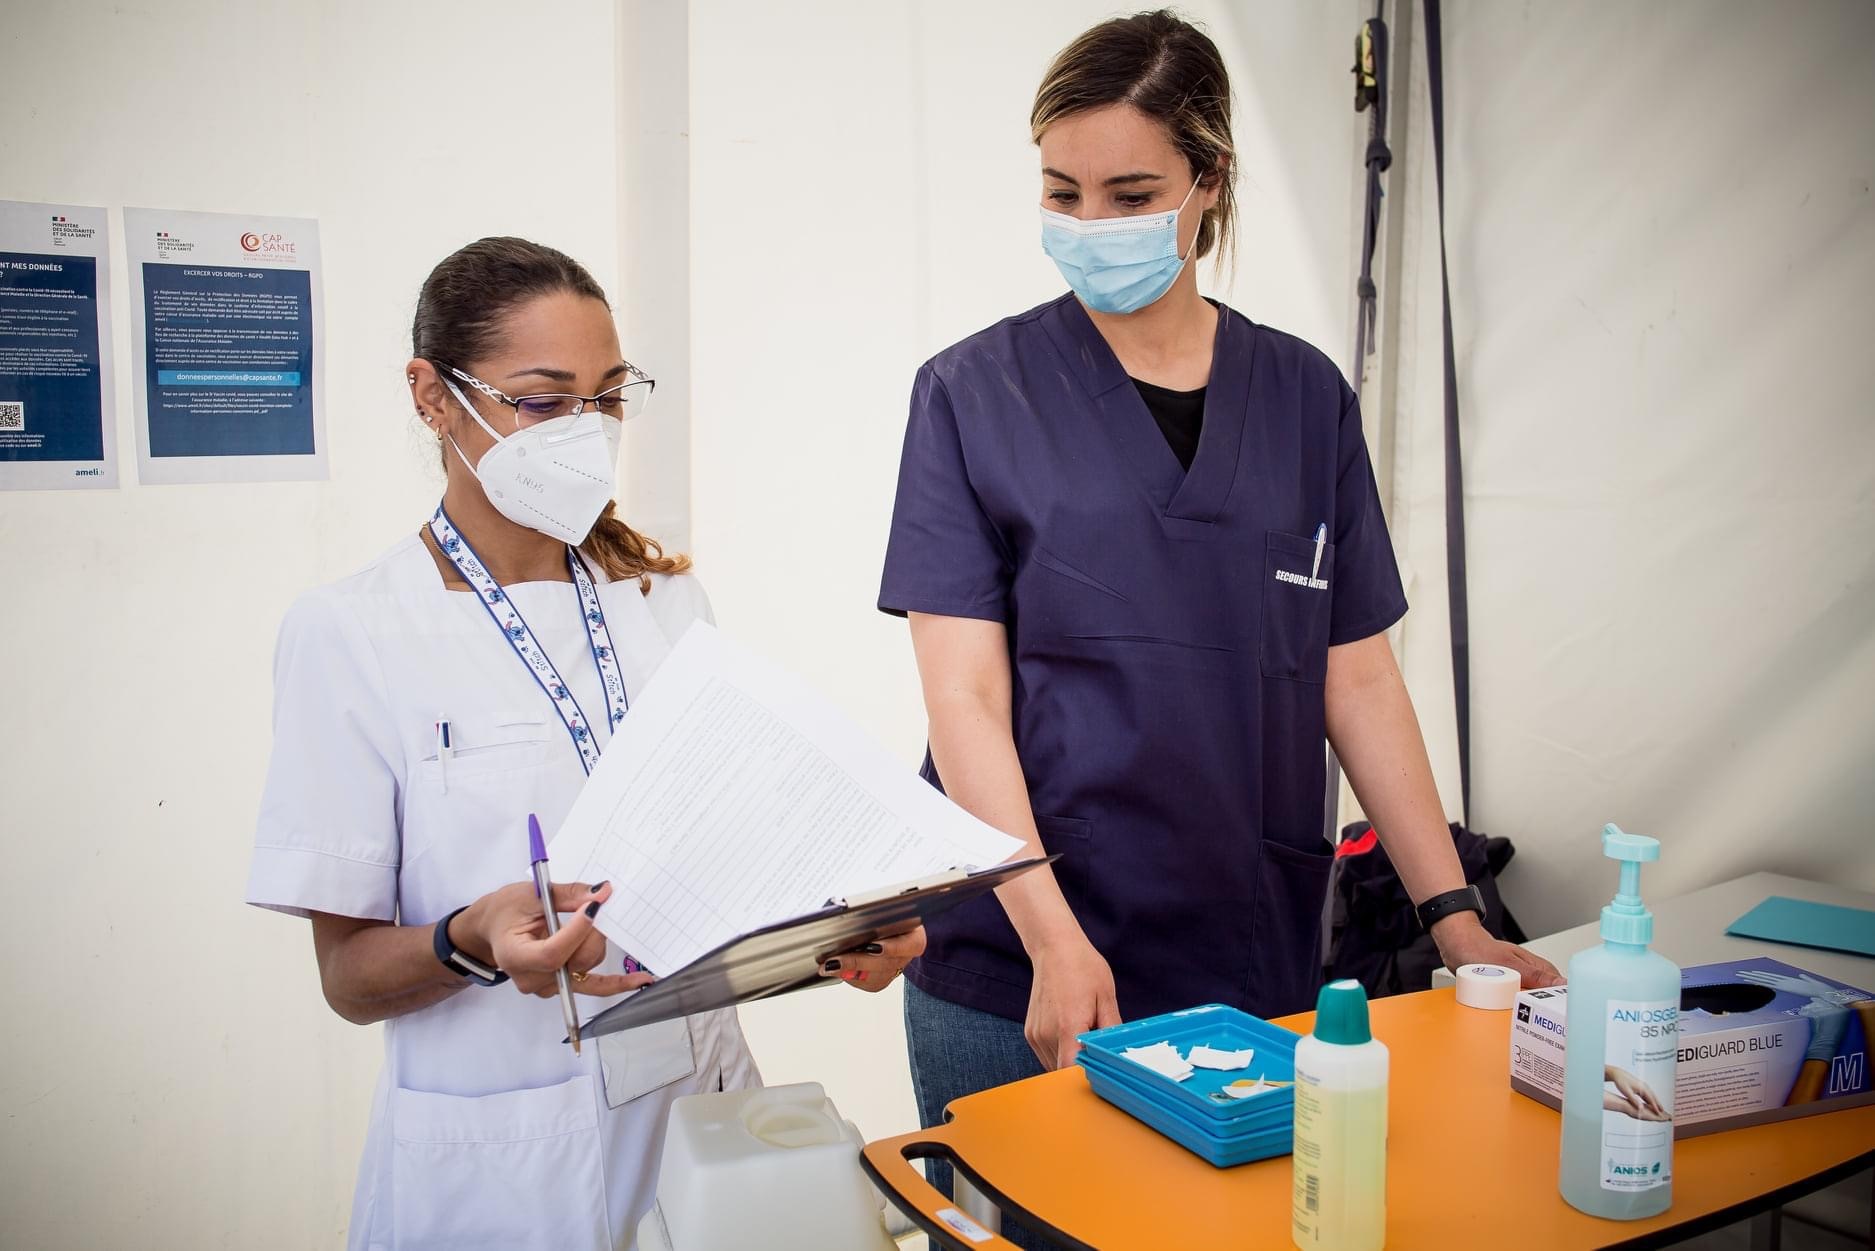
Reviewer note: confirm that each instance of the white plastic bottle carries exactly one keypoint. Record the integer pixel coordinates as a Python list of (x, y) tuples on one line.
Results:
[(1621, 1051), (1340, 1197)]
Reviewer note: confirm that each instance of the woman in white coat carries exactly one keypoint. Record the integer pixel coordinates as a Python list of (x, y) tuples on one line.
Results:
[(424, 707)]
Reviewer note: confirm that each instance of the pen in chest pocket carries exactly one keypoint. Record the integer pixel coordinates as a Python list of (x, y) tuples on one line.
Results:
[(445, 748), (1321, 537)]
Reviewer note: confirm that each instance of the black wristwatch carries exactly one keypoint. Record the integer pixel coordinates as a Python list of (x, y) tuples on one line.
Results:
[(459, 963), (1464, 899)]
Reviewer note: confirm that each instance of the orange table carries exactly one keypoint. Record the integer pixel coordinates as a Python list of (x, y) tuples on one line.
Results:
[(1469, 1162)]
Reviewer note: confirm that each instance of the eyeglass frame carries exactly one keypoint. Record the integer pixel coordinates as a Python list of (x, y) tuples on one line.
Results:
[(634, 377)]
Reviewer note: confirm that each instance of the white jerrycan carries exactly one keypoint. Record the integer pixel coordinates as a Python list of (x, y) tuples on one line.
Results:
[(775, 1168)]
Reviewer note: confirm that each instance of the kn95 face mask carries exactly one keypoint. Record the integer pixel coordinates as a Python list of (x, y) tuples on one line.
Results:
[(555, 477)]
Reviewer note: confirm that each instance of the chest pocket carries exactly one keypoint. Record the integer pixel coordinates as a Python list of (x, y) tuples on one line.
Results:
[(483, 776), (486, 745), (1296, 598)]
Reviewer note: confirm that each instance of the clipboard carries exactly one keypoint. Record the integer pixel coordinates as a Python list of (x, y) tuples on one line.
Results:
[(785, 957)]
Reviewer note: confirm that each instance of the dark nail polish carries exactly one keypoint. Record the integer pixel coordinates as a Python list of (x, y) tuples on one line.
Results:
[(832, 966), (599, 886), (592, 909), (873, 949)]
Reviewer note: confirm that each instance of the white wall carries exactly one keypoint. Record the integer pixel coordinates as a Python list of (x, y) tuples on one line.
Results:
[(1663, 244), (171, 1076), (863, 194)]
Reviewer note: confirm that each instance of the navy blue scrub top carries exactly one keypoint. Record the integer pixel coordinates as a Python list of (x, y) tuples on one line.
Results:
[(1168, 641)]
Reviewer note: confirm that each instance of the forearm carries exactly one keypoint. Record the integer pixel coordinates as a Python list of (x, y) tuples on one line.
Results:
[(1375, 734), (372, 971), (975, 754)]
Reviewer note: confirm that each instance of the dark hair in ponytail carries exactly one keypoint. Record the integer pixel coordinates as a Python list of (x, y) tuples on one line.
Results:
[(460, 316)]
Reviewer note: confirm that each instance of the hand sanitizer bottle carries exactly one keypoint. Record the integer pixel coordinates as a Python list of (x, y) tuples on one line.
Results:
[(1620, 1054), (1340, 1196)]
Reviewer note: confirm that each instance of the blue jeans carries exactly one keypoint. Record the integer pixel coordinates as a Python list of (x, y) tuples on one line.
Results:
[(957, 1051)]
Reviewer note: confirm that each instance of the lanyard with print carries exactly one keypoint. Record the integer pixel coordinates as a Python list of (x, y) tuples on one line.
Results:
[(514, 628)]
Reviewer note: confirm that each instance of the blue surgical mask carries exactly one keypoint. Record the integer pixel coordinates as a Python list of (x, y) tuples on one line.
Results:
[(1117, 264)]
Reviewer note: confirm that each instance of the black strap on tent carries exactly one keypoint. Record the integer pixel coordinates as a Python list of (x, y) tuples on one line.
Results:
[(1371, 85), (1370, 95), (1457, 604)]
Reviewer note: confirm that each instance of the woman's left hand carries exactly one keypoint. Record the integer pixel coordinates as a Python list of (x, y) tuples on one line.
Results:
[(875, 966), (1462, 940)]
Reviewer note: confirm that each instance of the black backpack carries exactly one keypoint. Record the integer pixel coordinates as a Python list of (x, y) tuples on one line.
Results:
[(1376, 938)]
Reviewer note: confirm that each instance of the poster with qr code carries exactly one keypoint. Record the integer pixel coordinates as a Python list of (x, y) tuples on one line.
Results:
[(58, 423), (225, 315)]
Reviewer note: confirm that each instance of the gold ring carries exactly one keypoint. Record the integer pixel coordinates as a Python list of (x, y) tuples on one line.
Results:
[(579, 977)]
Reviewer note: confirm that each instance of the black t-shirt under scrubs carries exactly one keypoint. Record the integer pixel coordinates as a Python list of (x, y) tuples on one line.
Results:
[(1180, 415)]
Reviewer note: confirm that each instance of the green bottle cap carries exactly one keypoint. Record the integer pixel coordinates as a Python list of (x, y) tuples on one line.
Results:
[(1341, 1014)]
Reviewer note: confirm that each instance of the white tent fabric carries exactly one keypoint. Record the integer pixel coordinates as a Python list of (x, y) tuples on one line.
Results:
[(1662, 248)]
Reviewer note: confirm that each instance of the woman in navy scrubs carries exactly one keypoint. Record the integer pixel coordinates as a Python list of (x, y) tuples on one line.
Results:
[(1140, 545)]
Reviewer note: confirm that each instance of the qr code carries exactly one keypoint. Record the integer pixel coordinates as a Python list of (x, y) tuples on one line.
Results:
[(12, 415)]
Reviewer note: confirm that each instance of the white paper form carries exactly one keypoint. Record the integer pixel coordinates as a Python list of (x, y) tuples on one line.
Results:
[(733, 796)]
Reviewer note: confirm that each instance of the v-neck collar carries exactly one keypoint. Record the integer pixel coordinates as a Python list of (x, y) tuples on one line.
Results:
[(1197, 494)]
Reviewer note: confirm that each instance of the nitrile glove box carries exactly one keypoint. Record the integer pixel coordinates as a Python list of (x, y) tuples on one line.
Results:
[(1759, 1041)]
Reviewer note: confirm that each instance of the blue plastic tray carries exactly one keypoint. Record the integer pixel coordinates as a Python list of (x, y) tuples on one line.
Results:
[(1224, 1153), (1271, 1110), (1213, 1025), (1224, 1132)]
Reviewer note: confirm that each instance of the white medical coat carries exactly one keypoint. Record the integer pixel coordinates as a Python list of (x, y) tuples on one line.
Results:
[(485, 1130)]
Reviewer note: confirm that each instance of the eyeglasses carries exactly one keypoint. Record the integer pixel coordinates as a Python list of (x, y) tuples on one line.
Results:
[(624, 401)]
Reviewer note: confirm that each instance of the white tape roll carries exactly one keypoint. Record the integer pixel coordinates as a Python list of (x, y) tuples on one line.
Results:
[(1488, 986)]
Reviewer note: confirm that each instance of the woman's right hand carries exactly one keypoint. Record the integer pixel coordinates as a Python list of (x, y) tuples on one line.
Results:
[(1072, 993), (505, 928)]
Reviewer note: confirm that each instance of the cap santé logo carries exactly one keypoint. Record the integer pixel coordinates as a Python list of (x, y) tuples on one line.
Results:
[(269, 246)]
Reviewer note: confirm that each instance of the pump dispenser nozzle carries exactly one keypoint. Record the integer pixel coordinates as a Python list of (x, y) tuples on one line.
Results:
[(1627, 920)]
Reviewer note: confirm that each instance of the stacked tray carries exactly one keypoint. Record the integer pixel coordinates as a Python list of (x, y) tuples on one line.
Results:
[(1195, 1113)]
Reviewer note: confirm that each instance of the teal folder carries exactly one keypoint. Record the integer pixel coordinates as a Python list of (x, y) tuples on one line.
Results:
[(1807, 924)]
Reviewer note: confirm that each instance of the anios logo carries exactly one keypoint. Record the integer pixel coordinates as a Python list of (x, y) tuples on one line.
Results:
[(250, 242)]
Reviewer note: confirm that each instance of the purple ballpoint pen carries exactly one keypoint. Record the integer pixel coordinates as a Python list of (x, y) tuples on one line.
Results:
[(543, 886)]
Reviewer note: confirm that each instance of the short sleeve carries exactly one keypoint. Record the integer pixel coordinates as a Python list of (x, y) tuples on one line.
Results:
[(944, 556), (328, 838), (1367, 596), (676, 601)]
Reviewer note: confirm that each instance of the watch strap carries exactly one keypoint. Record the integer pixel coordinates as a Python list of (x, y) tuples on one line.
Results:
[(1464, 899), (458, 962)]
